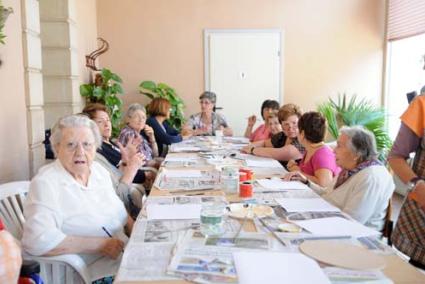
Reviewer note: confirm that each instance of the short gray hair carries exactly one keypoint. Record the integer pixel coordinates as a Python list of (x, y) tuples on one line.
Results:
[(209, 95), (362, 142), (70, 121), (132, 109)]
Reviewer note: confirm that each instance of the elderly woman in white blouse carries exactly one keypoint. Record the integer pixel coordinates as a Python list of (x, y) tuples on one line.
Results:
[(364, 186), (72, 203)]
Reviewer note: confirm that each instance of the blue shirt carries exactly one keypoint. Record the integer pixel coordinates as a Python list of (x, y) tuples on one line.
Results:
[(165, 134)]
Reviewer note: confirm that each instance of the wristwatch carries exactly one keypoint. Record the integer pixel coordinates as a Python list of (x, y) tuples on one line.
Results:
[(252, 150), (412, 183)]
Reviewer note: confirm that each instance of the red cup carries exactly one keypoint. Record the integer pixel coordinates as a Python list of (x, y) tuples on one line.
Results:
[(249, 173), (245, 189), (243, 176)]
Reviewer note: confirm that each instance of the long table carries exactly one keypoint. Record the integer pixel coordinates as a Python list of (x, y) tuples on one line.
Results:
[(140, 248)]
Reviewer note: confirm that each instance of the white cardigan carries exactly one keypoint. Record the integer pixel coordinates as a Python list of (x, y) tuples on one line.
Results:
[(364, 196)]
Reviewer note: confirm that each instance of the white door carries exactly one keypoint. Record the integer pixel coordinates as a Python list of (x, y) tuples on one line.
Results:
[(243, 68)]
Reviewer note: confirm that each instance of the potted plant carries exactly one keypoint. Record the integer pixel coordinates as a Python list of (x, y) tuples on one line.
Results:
[(162, 90), (106, 90), (350, 112), (4, 13)]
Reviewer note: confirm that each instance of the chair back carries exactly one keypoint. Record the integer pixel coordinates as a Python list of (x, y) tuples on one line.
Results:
[(12, 197)]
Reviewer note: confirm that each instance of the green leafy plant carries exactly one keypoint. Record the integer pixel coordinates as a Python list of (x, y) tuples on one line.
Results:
[(4, 13), (351, 112), (105, 90), (162, 90)]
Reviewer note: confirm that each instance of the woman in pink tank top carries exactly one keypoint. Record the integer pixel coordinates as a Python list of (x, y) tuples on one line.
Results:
[(318, 163)]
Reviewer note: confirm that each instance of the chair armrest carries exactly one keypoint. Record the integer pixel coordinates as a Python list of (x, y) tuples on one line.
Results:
[(73, 260)]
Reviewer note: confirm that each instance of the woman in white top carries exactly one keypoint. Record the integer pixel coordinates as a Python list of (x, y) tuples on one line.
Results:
[(207, 121), (364, 186), (71, 202)]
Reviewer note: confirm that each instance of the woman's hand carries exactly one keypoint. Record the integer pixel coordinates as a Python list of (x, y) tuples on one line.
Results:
[(252, 120), (130, 149), (150, 133), (246, 149), (296, 176), (112, 247), (418, 194), (227, 131), (293, 166)]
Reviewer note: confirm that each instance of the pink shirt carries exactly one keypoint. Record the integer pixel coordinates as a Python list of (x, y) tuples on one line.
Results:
[(323, 158), (261, 133)]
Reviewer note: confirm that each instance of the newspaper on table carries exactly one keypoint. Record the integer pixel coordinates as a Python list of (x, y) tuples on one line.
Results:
[(210, 260), (186, 180)]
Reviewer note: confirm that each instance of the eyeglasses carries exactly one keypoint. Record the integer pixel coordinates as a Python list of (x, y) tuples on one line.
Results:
[(72, 146)]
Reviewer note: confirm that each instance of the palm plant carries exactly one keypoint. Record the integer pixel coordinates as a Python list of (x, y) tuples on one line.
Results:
[(162, 90), (350, 112)]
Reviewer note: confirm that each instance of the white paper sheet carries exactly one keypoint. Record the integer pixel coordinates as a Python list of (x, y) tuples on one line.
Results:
[(182, 173), (269, 163), (336, 226), (173, 211), (180, 159), (276, 268), (278, 184), (306, 205)]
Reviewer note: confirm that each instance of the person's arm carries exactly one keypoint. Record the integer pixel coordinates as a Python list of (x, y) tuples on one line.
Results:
[(111, 247), (152, 141), (251, 122), (405, 143), (285, 153), (166, 137), (322, 177)]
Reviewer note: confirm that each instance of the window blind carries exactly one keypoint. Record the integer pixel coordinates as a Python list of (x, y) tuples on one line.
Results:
[(406, 18)]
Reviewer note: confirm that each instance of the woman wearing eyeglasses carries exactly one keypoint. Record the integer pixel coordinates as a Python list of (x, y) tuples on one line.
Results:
[(159, 110), (207, 121), (72, 203)]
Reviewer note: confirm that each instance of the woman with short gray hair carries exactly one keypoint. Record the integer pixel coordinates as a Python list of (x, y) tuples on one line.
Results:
[(72, 206), (364, 186), (206, 122)]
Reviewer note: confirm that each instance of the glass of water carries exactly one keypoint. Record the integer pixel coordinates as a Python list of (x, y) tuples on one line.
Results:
[(212, 218)]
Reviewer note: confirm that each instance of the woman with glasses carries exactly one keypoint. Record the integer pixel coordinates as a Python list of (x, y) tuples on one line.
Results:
[(72, 206), (159, 110), (285, 144), (207, 121)]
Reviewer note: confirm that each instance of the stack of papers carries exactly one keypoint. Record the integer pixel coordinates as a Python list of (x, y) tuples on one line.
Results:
[(269, 163), (278, 184), (275, 267), (306, 205), (336, 226), (173, 211)]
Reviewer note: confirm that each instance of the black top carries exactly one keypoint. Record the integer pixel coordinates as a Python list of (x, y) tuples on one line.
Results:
[(165, 134), (278, 141), (112, 154)]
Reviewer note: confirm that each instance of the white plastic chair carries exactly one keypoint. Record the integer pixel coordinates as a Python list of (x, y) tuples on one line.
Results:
[(54, 269)]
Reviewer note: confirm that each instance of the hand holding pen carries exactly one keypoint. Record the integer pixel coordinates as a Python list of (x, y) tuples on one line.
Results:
[(112, 247)]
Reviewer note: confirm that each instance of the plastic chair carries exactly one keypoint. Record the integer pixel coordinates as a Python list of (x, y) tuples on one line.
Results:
[(54, 269)]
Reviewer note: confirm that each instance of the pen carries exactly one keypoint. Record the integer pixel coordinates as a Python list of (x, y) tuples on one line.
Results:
[(109, 234)]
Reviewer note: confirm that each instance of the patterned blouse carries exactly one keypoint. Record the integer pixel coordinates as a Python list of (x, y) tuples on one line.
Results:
[(144, 148), (218, 120)]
